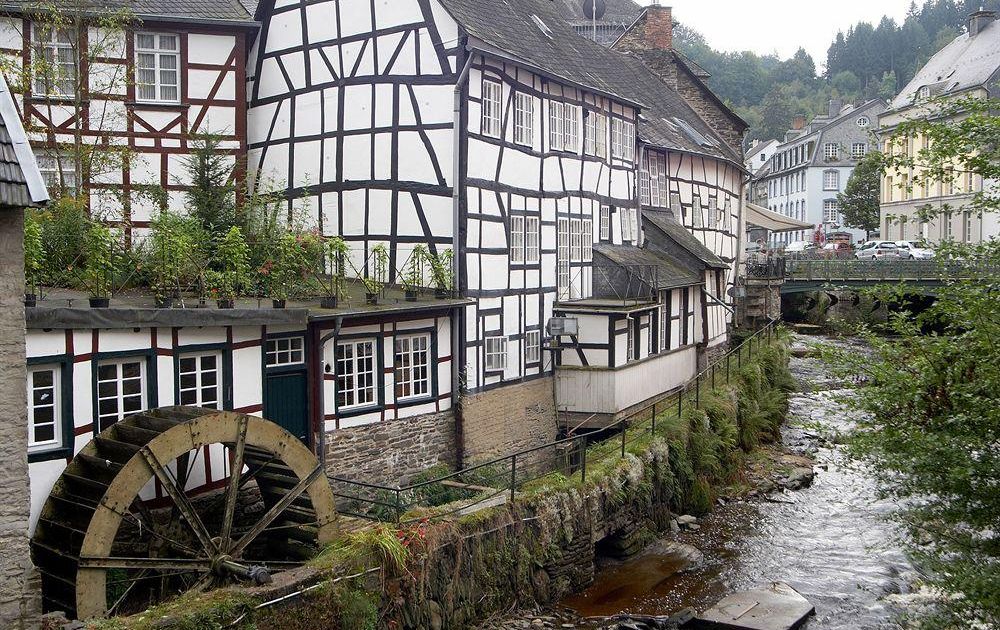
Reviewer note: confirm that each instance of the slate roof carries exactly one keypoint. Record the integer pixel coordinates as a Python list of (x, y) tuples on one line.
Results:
[(967, 62), (21, 184), (679, 234), (670, 273), (512, 28), (618, 11), (175, 10)]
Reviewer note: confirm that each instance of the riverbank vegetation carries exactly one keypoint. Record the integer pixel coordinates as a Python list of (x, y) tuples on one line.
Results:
[(930, 429)]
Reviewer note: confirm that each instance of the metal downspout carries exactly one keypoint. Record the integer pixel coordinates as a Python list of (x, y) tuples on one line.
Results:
[(458, 313)]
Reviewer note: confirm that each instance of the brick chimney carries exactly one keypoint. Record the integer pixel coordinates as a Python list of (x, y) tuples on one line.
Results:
[(659, 32), (799, 122), (980, 20)]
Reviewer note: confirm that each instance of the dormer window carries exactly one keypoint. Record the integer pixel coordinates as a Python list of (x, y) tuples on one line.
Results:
[(157, 67), (924, 92)]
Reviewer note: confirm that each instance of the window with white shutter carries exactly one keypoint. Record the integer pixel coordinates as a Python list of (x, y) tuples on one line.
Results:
[(556, 125), (562, 256), (496, 354), (605, 223), (587, 234), (576, 251)]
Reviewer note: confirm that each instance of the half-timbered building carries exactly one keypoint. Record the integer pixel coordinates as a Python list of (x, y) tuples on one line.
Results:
[(139, 80), (547, 163)]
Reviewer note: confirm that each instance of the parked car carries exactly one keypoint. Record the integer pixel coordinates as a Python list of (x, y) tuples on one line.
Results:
[(878, 250), (800, 246), (914, 250)]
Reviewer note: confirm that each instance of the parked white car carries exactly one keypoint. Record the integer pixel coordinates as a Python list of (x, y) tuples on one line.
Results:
[(878, 250), (801, 246), (914, 250)]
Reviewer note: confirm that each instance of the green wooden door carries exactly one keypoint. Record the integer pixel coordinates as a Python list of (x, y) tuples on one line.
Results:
[(285, 402)]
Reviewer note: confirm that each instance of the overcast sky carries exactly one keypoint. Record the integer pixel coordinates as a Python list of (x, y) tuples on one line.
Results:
[(766, 26)]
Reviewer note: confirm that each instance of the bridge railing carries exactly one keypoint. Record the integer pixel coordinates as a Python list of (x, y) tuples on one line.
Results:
[(878, 270), (772, 267)]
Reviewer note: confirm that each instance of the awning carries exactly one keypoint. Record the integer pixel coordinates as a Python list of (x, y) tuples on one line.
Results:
[(772, 221)]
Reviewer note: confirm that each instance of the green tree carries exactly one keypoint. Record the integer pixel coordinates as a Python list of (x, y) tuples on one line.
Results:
[(859, 202), (846, 82), (931, 422), (929, 428)]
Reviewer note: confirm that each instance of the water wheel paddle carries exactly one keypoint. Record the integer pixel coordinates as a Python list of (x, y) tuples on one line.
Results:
[(101, 549)]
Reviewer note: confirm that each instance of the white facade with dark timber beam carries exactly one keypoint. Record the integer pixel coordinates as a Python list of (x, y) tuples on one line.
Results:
[(495, 131)]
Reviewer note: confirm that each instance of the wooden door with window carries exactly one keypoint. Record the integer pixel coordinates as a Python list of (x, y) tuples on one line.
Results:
[(286, 385)]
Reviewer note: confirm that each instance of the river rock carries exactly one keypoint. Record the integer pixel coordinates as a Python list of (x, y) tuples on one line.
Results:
[(687, 519), (674, 526), (799, 478), (776, 607)]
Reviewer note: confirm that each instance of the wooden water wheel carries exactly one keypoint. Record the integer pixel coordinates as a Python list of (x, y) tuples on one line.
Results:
[(101, 549)]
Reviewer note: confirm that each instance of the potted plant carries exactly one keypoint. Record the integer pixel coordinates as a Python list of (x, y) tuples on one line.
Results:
[(442, 273), (34, 259), (99, 252), (231, 271), (375, 282), (171, 246), (414, 276), (335, 250), (282, 274)]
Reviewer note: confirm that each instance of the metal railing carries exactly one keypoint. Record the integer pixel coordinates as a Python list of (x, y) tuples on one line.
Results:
[(772, 267), (500, 479), (879, 270)]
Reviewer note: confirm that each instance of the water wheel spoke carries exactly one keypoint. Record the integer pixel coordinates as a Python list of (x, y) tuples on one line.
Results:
[(181, 500), (145, 521), (232, 489), (159, 564), (276, 510)]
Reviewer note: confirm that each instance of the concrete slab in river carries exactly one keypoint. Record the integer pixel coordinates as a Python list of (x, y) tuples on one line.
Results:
[(777, 607)]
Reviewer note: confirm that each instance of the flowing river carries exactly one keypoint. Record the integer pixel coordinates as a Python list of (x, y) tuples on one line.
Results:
[(830, 541)]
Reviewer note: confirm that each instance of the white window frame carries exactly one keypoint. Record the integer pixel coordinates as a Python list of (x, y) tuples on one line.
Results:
[(605, 224), (65, 72), (645, 194), (859, 150), (863, 121), (200, 373), (595, 134), (524, 119), (664, 320), (279, 351), (159, 54), (562, 258), (587, 239), (557, 122), (104, 420), (622, 140), (495, 350), (55, 404), (629, 339), (491, 105), (409, 360), (831, 211), (362, 394), (831, 180), (532, 346), (571, 128), (575, 240), (831, 151), (58, 173), (625, 218), (532, 240), (516, 240), (969, 226)]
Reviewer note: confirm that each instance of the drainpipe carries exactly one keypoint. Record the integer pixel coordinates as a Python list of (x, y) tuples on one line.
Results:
[(458, 313)]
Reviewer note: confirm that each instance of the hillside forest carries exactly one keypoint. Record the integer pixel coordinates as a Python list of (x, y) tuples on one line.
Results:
[(868, 61)]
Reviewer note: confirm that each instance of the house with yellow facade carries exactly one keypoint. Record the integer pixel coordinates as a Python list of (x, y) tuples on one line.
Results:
[(967, 67)]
